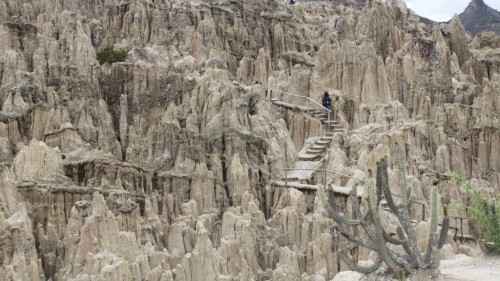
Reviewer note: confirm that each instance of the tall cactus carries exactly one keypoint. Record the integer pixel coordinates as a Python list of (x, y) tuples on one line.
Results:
[(409, 259)]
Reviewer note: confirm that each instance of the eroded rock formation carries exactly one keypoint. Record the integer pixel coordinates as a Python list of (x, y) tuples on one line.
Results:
[(160, 167)]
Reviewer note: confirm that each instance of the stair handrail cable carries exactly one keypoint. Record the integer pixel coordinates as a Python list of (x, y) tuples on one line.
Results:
[(306, 98)]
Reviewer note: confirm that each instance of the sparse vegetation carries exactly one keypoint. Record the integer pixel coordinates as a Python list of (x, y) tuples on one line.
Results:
[(111, 55), (410, 259), (483, 210)]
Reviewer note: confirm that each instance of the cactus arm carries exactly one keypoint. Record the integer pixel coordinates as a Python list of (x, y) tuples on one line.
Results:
[(338, 219), (328, 203), (355, 230), (383, 184), (434, 207), (322, 196), (383, 251), (356, 239), (368, 218), (380, 179), (357, 208), (431, 248), (430, 252), (341, 219), (444, 232), (410, 244), (391, 240), (361, 269), (402, 212), (411, 258), (408, 194), (431, 259), (444, 228), (404, 261), (400, 233), (402, 175), (365, 221)]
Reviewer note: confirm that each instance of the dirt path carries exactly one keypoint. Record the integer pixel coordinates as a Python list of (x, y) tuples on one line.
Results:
[(465, 268)]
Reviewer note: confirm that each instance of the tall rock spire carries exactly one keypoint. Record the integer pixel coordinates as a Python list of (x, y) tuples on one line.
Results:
[(478, 16)]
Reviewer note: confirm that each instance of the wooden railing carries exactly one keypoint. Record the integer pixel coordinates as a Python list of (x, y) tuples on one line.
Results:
[(325, 171), (459, 228)]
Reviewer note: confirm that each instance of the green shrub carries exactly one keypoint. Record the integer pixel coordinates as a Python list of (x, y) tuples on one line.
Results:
[(484, 211), (111, 55)]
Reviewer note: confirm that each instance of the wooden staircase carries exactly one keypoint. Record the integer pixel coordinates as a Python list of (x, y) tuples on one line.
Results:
[(301, 176)]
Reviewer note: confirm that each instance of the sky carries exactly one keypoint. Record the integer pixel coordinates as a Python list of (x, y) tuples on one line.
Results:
[(443, 10)]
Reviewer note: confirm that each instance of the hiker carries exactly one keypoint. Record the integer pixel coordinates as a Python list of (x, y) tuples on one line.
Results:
[(326, 100)]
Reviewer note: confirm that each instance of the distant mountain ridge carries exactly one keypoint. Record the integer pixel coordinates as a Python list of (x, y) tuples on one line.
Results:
[(479, 17)]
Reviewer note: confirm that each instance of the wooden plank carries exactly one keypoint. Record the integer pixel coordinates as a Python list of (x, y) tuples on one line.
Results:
[(344, 190), (296, 185)]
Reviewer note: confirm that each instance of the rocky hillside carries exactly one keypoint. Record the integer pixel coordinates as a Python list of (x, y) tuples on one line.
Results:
[(164, 166), (479, 17)]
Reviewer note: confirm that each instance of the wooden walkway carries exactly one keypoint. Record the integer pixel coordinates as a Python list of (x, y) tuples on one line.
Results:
[(344, 190)]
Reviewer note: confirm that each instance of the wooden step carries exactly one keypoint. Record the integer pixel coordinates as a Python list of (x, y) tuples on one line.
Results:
[(326, 139), (320, 146), (464, 237), (317, 149), (323, 142), (314, 152), (290, 179), (297, 185), (314, 111), (309, 156)]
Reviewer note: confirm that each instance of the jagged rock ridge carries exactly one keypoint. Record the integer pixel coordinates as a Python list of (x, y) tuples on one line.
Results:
[(478, 17)]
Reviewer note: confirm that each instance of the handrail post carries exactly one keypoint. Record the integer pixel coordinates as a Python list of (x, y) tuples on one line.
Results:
[(286, 178), (307, 108), (423, 212), (461, 229), (329, 124), (325, 176)]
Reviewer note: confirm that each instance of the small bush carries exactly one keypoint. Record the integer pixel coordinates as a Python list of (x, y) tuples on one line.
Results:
[(111, 55), (484, 211)]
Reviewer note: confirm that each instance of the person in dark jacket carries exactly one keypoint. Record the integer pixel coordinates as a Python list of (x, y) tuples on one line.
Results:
[(327, 102)]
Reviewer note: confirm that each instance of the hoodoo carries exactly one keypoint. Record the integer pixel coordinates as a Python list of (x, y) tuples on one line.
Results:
[(187, 140)]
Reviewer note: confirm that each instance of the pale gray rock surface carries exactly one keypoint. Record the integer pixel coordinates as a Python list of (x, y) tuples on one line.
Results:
[(161, 167)]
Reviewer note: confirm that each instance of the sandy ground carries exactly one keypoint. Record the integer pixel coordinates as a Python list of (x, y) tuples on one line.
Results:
[(457, 268), (465, 268)]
